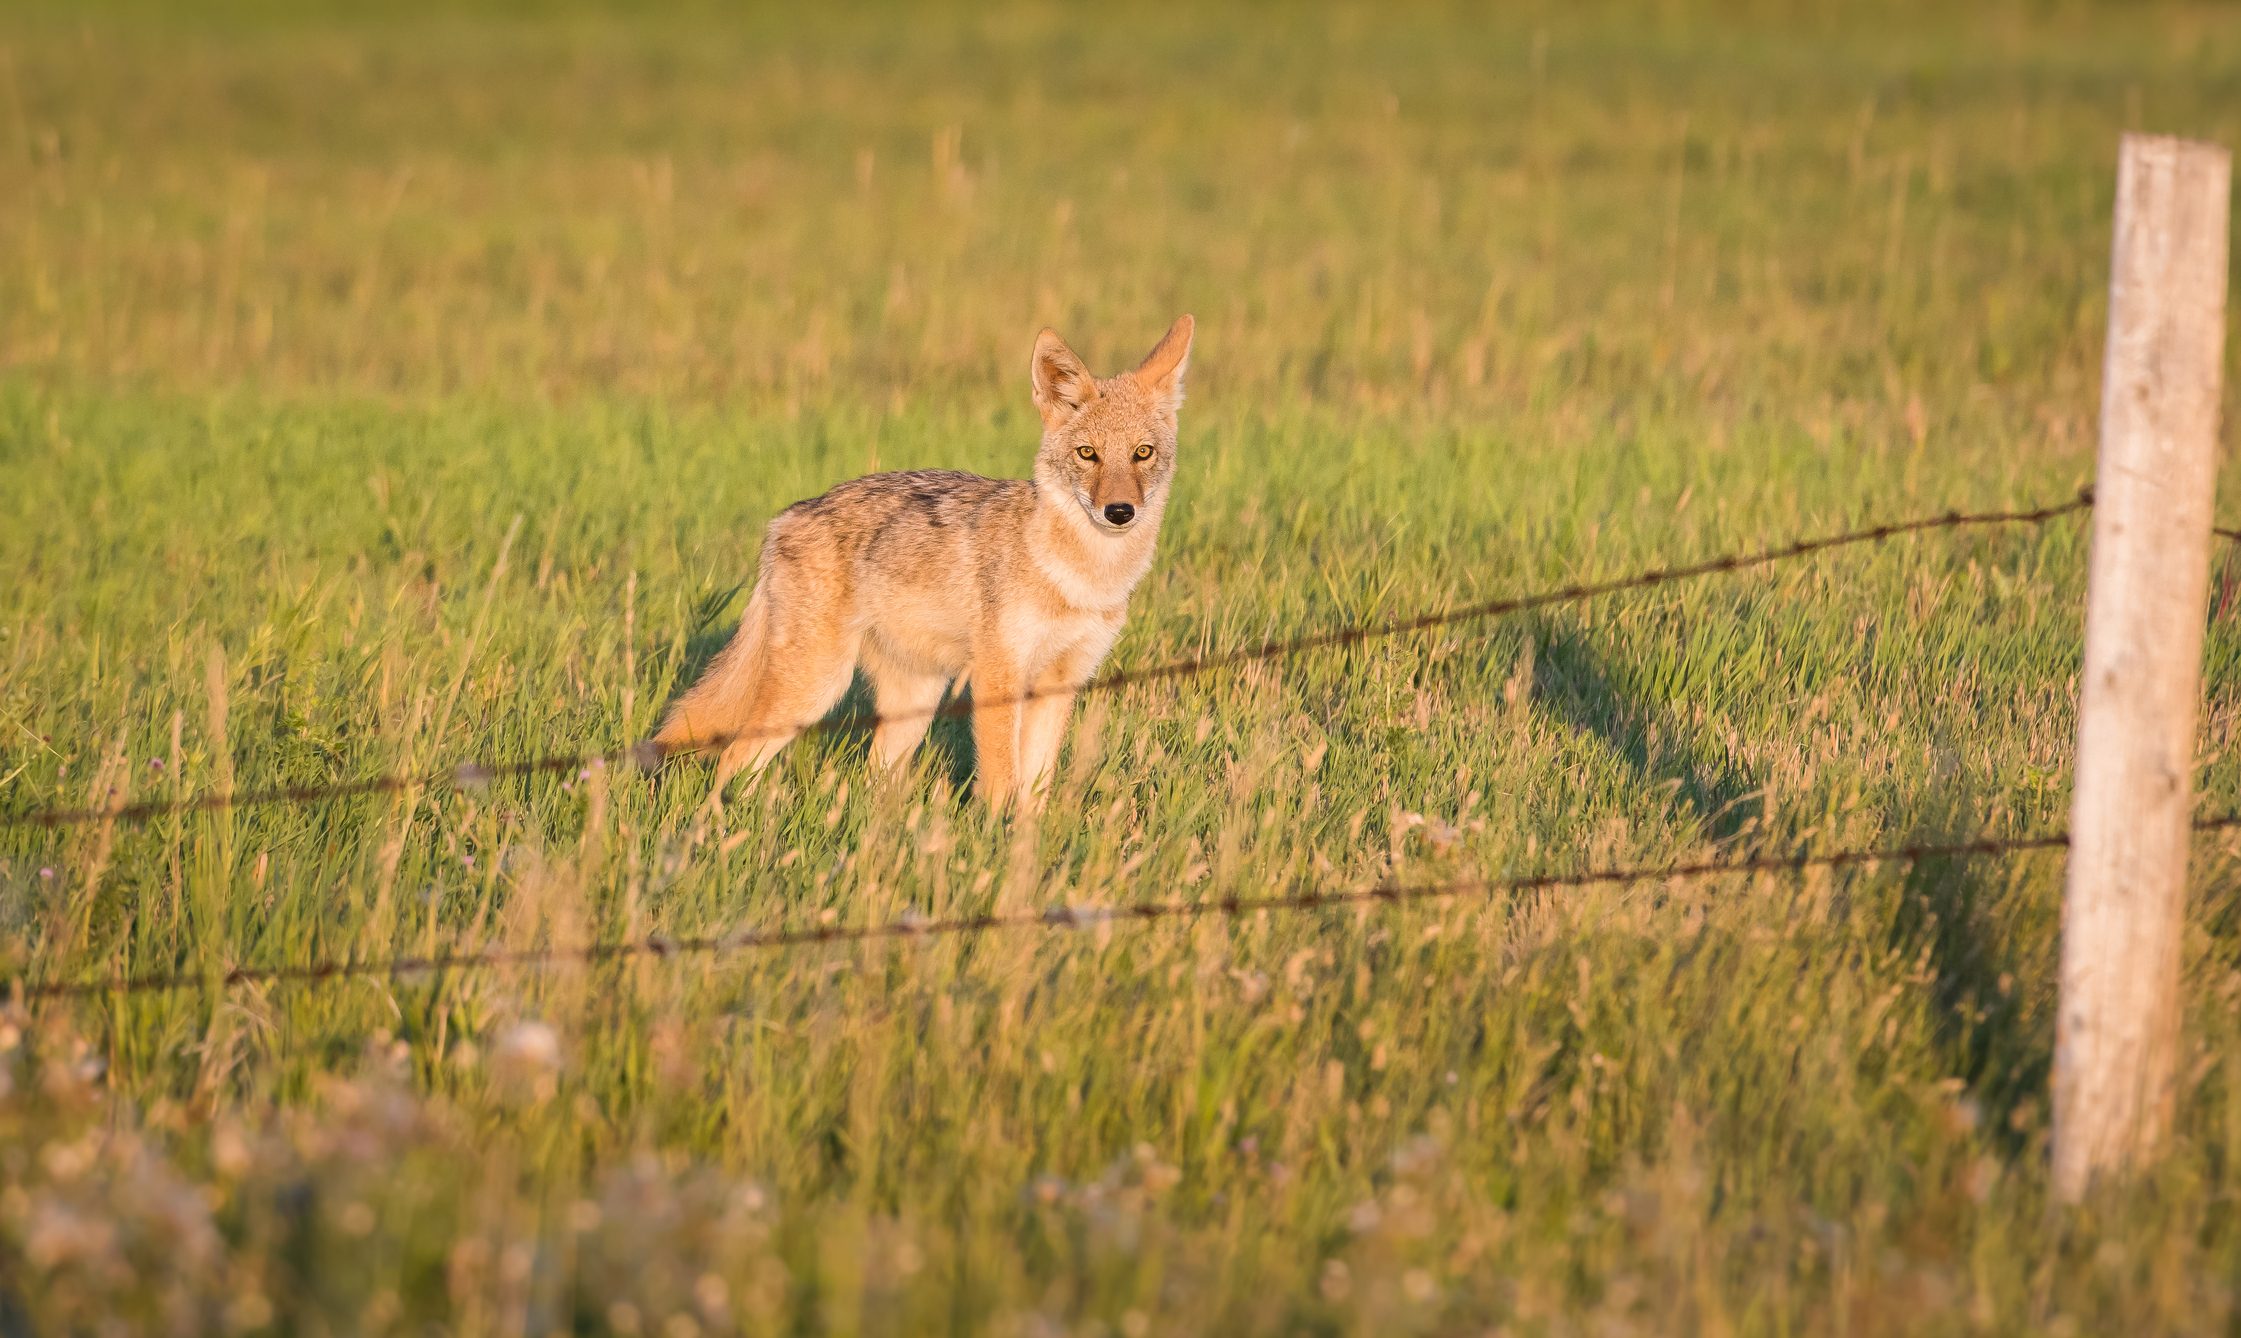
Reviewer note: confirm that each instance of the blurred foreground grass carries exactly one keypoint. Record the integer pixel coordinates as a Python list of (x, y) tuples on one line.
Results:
[(301, 310)]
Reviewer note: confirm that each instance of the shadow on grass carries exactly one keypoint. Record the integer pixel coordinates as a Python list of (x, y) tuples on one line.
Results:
[(1578, 685), (1973, 924), (714, 621), (946, 752), (1967, 920)]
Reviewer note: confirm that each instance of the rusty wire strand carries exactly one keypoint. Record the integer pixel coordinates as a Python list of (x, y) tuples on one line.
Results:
[(1061, 917)]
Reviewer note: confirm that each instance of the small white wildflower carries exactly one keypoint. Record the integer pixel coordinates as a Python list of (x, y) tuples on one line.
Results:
[(1337, 1280), (528, 1048)]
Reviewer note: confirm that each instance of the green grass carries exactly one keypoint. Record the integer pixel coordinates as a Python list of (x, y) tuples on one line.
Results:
[(302, 312)]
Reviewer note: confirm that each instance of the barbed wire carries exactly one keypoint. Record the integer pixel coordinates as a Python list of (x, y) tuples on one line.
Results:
[(646, 755), (1080, 916)]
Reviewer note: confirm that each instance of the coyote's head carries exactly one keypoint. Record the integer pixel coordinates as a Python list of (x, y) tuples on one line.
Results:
[(1110, 445)]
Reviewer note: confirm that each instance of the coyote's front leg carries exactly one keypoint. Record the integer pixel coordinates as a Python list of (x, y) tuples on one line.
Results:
[(996, 717), (1042, 729)]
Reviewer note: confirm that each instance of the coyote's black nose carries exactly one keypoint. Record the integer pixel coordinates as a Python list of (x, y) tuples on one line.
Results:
[(1119, 513)]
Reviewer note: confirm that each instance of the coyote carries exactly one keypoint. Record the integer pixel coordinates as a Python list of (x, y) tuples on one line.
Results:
[(930, 576)]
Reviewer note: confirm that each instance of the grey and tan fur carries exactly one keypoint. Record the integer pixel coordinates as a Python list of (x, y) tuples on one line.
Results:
[(928, 577)]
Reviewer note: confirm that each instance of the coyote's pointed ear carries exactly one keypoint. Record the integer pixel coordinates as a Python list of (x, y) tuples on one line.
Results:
[(1062, 380), (1162, 369)]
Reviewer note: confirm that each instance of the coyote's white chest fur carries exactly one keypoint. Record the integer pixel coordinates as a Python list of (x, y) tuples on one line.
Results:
[(1093, 573)]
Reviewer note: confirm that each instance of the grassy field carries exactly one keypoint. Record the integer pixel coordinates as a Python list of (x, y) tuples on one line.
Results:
[(383, 391)]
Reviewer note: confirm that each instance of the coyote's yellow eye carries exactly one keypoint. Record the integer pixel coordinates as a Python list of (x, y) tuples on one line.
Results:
[(1144, 452), (1086, 453)]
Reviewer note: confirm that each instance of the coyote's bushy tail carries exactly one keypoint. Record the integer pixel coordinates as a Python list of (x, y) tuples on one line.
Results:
[(716, 709)]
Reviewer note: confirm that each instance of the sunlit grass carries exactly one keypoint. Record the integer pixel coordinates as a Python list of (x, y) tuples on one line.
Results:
[(301, 316)]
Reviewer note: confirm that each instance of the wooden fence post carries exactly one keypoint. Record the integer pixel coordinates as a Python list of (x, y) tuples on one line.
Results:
[(2117, 1029)]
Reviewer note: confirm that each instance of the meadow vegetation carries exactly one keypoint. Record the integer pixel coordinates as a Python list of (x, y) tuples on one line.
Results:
[(381, 390)]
